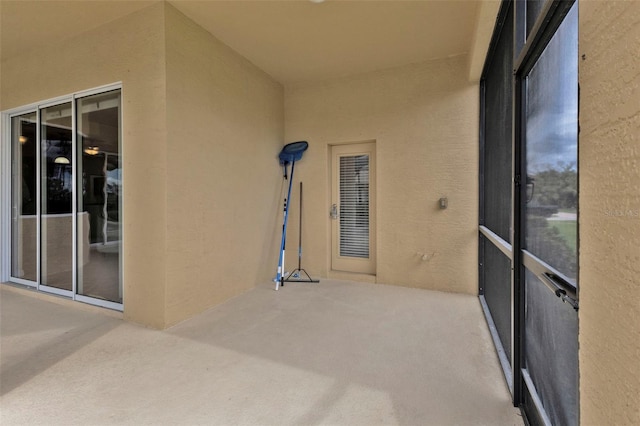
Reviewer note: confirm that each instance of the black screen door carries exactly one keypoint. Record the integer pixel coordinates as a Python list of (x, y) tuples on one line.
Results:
[(549, 202)]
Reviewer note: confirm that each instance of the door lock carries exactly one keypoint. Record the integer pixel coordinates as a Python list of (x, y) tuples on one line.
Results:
[(334, 212)]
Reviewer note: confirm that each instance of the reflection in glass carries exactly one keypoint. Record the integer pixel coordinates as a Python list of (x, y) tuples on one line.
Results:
[(99, 196), (56, 192), (552, 136), (23, 197)]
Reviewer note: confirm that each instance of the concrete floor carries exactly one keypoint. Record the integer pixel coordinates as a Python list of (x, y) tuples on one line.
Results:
[(336, 353)]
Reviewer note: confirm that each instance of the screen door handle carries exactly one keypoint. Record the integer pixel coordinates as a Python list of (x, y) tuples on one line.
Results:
[(561, 288)]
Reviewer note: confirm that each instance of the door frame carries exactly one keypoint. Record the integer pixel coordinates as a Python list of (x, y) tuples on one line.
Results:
[(6, 200), (352, 265)]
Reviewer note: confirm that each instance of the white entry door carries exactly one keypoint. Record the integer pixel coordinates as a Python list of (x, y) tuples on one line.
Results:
[(353, 208)]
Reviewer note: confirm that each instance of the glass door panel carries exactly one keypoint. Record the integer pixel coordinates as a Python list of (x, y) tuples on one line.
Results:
[(56, 172), (23, 197), (99, 196), (354, 206)]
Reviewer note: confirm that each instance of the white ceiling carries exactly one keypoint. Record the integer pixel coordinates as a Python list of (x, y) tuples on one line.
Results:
[(293, 41), (301, 41)]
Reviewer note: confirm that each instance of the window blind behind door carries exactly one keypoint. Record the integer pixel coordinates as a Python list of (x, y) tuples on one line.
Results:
[(354, 206)]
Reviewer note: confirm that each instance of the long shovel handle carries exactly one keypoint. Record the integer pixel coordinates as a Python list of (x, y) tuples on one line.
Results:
[(287, 202)]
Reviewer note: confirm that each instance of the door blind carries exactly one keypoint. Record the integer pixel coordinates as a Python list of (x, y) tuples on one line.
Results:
[(354, 206)]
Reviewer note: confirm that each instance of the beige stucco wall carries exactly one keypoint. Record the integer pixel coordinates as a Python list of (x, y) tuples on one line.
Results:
[(130, 50), (424, 120), (225, 128), (202, 127), (609, 213)]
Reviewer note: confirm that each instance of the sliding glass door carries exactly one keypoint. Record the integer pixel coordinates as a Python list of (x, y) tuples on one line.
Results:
[(66, 200), (99, 196)]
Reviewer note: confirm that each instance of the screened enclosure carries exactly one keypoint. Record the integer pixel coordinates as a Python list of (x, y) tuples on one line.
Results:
[(528, 205)]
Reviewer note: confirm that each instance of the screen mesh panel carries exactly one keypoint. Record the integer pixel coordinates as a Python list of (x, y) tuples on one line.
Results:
[(551, 326), (551, 358), (498, 130), (496, 189), (552, 151), (497, 291)]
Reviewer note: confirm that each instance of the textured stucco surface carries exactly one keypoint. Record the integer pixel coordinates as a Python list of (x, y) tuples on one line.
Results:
[(424, 121), (201, 130), (129, 50), (225, 128), (609, 213)]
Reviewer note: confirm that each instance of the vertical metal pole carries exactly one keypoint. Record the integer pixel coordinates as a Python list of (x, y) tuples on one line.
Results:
[(7, 208), (518, 140), (300, 231), (280, 275), (518, 238), (481, 201), (74, 200), (38, 198)]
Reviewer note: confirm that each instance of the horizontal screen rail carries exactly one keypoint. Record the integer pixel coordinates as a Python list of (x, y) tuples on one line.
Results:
[(501, 244)]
